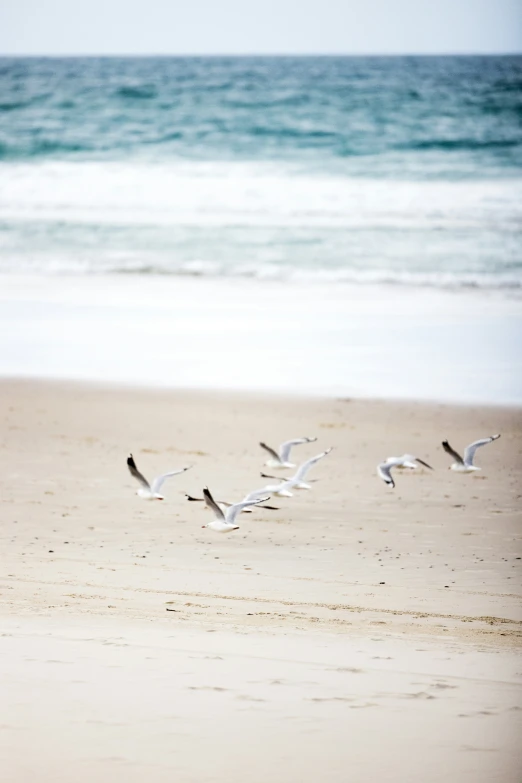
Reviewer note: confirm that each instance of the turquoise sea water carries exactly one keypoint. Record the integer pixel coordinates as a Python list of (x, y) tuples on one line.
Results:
[(365, 170)]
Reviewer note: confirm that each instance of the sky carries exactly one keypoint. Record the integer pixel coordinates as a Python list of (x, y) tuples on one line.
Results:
[(177, 27)]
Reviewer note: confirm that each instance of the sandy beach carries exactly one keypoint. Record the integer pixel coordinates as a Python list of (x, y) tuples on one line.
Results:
[(357, 633)]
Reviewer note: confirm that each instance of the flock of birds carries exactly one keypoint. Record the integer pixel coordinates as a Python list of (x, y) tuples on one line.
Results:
[(225, 513)]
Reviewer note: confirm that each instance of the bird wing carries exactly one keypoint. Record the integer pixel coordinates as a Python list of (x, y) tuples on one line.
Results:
[(384, 472), (421, 462), (159, 480), (285, 448), (447, 448), (235, 508), (303, 469), (470, 450), (213, 506), (258, 493), (135, 472), (271, 451)]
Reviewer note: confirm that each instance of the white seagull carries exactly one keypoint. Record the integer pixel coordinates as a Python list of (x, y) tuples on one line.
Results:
[(224, 504), (150, 491), (384, 470), (280, 459), (466, 465), (408, 461), (224, 522), (283, 488), (297, 479)]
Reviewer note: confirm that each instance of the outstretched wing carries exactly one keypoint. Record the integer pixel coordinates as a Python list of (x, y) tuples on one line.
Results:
[(272, 453), (470, 450), (384, 472), (135, 472), (257, 493), (234, 510), (447, 448), (159, 480), (421, 462), (303, 469), (285, 448), (213, 506)]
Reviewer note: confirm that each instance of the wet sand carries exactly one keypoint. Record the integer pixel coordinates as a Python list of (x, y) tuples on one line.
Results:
[(357, 633)]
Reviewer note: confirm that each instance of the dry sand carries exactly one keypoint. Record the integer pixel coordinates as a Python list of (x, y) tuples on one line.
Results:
[(356, 634)]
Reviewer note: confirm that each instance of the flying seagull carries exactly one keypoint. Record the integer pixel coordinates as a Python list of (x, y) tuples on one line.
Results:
[(223, 504), (150, 491), (224, 522), (282, 489), (466, 465), (408, 461), (297, 479), (280, 459), (384, 471)]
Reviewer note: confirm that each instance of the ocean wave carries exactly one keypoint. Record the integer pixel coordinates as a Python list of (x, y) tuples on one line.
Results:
[(392, 112), (382, 277), (6, 106), (137, 92), (508, 85), (259, 221), (41, 148), (293, 133), (507, 282), (468, 145)]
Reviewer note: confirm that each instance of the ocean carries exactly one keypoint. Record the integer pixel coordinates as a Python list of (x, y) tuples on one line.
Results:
[(382, 192), (404, 170)]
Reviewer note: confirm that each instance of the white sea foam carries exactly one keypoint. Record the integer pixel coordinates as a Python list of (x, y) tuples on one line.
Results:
[(258, 219), (248, 194)]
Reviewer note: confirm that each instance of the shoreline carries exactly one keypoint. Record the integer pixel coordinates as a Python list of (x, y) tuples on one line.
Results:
[(114, 387), (324, 341)]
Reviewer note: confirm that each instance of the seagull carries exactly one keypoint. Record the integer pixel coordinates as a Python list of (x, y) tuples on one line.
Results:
[(297, 479), (384, 470), (283, 488), (280, 459), (224, 505), (224, 522), (408, 461), (150, 491), (466, 465)]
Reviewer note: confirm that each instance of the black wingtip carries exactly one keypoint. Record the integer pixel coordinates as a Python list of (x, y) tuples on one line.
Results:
[(130, 461)]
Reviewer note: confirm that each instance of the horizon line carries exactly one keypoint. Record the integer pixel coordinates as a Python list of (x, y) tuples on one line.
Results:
[(261, 54)]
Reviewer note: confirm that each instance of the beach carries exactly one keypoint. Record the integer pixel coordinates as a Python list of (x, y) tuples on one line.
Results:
[(357, 632), (200, 254)]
